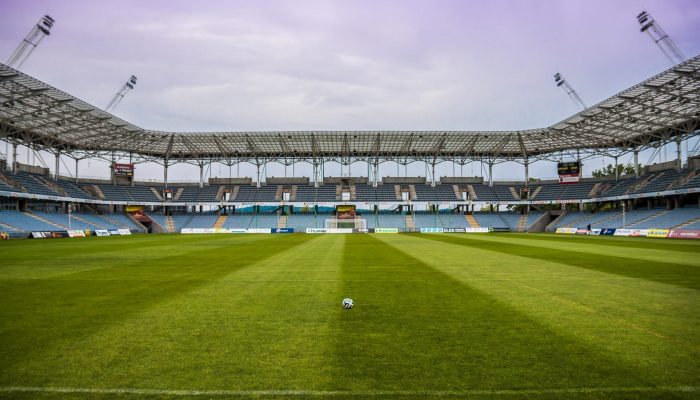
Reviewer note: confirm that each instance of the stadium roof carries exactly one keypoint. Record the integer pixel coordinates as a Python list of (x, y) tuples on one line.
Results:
[(660, 109)]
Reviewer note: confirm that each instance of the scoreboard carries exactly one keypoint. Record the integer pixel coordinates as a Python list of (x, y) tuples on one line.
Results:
[(569, 172), (123, 169), (569, 168), (345, 211)]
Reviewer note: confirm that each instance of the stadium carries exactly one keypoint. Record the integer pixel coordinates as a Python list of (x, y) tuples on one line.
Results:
[(463, 286)]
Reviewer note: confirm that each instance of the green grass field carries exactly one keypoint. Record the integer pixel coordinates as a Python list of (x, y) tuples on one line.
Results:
[(493, 316)]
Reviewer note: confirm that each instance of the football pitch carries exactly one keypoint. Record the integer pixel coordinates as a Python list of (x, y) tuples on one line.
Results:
[(492, 316)]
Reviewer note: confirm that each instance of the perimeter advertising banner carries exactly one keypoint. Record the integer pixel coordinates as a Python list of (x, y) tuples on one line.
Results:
[(49, 235), (323, 230), (283, 230), (101, 232), (684, 234), (76, 233), (607, 231), (658, 233), (568, 231), (465, 230), (258, 230), (623, 232), (631, 232), (430, 230), (386, 230)]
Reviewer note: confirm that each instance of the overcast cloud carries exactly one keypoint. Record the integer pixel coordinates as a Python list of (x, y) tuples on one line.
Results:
[(346, 65)]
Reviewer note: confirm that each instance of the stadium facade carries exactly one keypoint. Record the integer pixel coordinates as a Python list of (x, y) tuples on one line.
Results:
[(661, 110)]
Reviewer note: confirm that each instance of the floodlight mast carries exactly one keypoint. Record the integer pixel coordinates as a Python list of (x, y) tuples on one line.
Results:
[(561, 82), (121, 93), (29, 43), (660, 37)]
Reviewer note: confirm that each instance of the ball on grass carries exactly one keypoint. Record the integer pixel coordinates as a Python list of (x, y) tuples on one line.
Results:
[(347, 303)]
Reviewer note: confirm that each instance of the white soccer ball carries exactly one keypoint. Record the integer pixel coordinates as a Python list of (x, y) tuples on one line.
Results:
[(347, 303)]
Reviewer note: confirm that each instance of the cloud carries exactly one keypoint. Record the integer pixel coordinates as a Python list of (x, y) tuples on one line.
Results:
[(362, 65)]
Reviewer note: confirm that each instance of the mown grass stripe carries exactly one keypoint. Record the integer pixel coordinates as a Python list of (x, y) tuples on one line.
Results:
[(595, 247), (670, 273), (77, 305), (437, 332), (661, 244), (334, 393)]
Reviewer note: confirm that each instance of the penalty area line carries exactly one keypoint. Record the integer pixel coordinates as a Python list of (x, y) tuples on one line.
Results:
[(366, 393)]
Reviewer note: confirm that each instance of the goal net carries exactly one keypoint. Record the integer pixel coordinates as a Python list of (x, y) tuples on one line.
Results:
[(356, 223)]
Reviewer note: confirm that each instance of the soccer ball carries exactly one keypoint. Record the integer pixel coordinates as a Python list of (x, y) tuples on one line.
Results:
[(347, 303)]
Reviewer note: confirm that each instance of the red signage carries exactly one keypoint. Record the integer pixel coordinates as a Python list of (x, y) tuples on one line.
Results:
[(569, 178), (684, 234), (124, 169)]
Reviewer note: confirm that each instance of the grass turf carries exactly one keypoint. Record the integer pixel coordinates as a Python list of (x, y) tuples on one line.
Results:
[(437, 316)]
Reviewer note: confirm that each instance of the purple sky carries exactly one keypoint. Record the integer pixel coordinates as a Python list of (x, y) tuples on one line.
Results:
[(337, 65)]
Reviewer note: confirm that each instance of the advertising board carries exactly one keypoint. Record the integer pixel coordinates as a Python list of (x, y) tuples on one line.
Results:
[(386, 230), (657, 233), (258, 230), (684, 234), (49, 235)]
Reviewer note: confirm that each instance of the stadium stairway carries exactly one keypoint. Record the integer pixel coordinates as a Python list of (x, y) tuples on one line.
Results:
[(472, 192), (397, 192), (11, 183), (9, 227), (50, 185), (455, 189), (514, 194), (536, 192), (178, 193), (410, 223), (278, 193), (609, 218), (170, 224), (155, 193), (46, 221), (282, 221), (473, 223), (77, 217), (683, 225), (522, 223), (94, 190), (220, 221), (652, 216)]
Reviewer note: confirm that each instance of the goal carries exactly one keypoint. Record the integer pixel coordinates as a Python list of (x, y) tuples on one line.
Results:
[(356, 223)]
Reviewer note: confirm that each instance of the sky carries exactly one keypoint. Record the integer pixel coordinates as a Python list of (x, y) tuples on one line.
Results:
[(346, 65)]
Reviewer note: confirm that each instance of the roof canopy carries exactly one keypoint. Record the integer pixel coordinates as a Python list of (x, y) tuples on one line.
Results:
[(663, 108)]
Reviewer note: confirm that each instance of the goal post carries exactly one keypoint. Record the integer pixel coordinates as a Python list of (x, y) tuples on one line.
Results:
[(355, 223)]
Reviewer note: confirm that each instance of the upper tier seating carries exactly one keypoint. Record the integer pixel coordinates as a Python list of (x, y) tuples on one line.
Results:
[(384, 192), (641, 218)]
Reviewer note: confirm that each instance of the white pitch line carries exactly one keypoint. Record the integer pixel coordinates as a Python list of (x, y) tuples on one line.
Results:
[(323, 393)]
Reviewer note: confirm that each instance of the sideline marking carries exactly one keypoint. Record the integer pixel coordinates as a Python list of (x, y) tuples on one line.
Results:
[(321, 393)]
